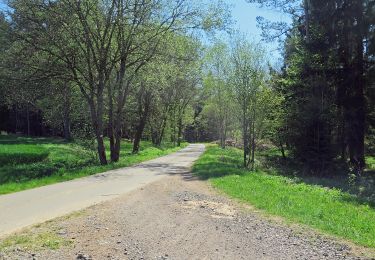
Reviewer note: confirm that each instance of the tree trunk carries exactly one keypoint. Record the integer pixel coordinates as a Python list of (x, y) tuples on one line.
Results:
[(111, 135), (222, 137), (253, 146), (67, 132), (117, 128), (144, 112), (139, 132), (28, 119), (66, 113), (282, 150), (97, 123), (245, 143), (117, 148), (355, 102), (179, 132), (160, 138)]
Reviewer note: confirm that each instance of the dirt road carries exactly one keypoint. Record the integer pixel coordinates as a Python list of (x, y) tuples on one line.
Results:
[(179, 217), (33, 206)]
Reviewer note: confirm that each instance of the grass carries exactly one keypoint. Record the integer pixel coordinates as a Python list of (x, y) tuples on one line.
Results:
[(27, 163), (19, 154), (34, 242), (327, 209)]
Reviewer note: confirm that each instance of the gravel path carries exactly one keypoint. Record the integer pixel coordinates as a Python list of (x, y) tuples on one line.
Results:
[(179, 217)]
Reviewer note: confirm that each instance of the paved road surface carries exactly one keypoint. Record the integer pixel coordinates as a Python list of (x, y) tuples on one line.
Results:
[(37, 205)]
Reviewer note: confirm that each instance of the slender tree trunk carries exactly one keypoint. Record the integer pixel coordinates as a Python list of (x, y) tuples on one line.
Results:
[(67, 133), (179, 132), (97, 122), (245, 141), (222, 135), (28, 119), (115, 152), (138, 135), (154, 136), (253, 145), (282, 150), (144, 112), (111, 135), (100, 134), (342, 134), (66, 113), (161, 135)]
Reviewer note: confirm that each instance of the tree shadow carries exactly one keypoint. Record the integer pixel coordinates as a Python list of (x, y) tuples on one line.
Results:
[(336, 176), (218, 164), (16, 139)]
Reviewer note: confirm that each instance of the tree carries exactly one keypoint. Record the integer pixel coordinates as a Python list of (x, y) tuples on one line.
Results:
[(325, 71), (104, 45), (247, 77), (218, 88)]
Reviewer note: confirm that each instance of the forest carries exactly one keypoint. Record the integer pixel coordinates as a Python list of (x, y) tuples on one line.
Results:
[(168, 101), (162, 71)]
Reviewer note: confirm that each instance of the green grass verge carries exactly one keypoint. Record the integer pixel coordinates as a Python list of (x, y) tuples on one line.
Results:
[(330, 210), (34, 242), (23, 153), (34, 162)]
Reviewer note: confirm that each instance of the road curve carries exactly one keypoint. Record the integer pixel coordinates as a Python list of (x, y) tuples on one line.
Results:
[(25, 208)]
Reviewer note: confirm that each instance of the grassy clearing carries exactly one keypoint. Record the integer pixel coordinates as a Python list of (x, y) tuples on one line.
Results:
[(27, 163), (327, 209)]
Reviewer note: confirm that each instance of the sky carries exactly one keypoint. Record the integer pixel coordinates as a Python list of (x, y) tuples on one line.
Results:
[(244, 15)]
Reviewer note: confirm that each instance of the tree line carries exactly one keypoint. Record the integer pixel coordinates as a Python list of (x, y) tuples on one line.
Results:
[(139, 69), (101, 69), (328, 82), (319, 106)]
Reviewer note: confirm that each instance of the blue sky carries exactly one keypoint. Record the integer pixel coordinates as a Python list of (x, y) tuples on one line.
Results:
[(244, 14)]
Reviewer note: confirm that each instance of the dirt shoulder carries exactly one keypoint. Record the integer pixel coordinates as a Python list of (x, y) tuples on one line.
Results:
[(177, 217)]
